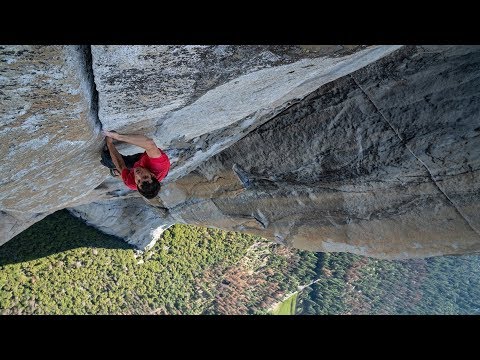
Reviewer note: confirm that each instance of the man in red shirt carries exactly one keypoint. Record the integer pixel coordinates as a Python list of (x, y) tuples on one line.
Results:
[(143, 171)]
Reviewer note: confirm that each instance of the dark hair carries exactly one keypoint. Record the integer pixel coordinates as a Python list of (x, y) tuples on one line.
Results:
[(149, 189)]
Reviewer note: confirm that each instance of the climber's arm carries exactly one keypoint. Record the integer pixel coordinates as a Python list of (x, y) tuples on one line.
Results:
[(139, 140), (115, 155)]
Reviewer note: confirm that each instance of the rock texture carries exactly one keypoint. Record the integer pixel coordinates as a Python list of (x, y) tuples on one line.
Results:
[(370, 150), (48, 119), (12, 224), (158, 90), (339, 171), (133, 221), (49, 130)]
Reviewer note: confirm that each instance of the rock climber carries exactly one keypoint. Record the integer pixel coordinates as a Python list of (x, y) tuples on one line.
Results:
[(142, 171)]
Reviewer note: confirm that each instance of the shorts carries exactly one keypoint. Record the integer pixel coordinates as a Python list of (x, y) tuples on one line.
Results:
[(129, 159)]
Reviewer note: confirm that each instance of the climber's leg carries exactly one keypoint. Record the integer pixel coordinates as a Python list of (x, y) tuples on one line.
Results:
[(107, 160), (131, 159)]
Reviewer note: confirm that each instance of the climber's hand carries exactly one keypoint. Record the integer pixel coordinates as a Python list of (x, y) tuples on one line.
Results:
[(111, 134)]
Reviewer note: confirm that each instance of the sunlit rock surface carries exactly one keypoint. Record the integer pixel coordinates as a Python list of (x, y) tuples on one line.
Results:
[(370, 150)]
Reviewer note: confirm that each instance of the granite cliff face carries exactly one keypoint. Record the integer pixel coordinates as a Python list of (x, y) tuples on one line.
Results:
[(49, 132), (370, 150)]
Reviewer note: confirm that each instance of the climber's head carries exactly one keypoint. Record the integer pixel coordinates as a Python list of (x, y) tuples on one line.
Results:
[(147, 184)]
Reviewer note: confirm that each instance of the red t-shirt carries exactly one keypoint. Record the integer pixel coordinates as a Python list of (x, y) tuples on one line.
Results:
[(158, 166)]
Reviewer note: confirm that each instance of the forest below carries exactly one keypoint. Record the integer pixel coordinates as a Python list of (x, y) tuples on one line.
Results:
[(62, 266)]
